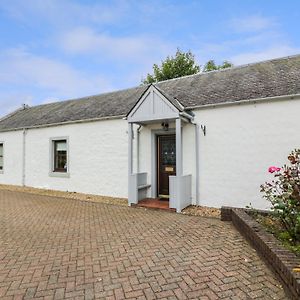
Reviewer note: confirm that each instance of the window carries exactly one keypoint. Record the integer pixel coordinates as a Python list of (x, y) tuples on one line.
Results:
[(60, 156), (1, 157)]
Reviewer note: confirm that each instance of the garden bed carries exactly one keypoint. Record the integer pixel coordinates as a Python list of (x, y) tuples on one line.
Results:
[(284, 262), (274, 226)]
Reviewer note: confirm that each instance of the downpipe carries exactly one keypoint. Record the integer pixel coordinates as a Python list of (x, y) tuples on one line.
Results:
[(138, 148), (24, 157), (197, 129)]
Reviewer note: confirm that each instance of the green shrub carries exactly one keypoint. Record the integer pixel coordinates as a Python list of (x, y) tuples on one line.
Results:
[(284, 195)]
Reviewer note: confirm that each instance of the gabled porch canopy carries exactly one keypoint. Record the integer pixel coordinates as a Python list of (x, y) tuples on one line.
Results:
[(154, 106)]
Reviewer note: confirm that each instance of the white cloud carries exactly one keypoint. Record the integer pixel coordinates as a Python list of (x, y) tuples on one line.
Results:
[(64, 12), (256, 38), (84, 40), (275, 51), (252, 23), (21, 67), (28, 78)]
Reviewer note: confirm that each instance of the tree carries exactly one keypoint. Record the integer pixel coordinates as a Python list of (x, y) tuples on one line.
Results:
[(173, 67), (211, 66), (181, 65)]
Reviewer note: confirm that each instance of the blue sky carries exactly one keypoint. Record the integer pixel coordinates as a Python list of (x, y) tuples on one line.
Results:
[(54, 50)]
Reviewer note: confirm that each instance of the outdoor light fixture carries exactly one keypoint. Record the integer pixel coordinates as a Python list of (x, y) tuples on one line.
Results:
[(203, 127), (165, 126)]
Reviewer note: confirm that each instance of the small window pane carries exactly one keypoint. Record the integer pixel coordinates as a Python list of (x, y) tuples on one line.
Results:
[(61, 146), (60, 156)]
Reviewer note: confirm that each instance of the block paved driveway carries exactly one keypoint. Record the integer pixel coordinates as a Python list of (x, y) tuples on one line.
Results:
[(55, 248)]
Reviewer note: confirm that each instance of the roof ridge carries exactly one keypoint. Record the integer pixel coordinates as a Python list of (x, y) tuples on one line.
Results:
[(86, 97), (12, 113), (157, 83), (229, 68)]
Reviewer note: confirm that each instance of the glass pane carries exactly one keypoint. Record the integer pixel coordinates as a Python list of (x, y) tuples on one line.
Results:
[(1, 149), (60, 156), (168, 149), (61, 146), (1, 163)]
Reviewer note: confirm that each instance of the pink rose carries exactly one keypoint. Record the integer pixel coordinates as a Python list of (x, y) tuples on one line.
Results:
[(273, 169)]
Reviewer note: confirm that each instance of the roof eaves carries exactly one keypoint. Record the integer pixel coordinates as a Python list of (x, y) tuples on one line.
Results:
[(246, 101), (64, 123)]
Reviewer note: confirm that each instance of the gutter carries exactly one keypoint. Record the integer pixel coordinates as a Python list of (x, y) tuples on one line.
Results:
[(124, 117), (65, 123), (186, 115), (240, 102)]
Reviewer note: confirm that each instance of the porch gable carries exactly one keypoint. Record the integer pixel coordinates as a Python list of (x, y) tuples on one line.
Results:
[(152, 106)]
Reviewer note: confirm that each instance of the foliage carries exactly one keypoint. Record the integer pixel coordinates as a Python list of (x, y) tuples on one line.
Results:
[(173, 67), (181, 65), (284, 194), (273, 225), (211, 66)]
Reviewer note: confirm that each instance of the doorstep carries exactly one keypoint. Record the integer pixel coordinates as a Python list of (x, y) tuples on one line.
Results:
[(155, 203)]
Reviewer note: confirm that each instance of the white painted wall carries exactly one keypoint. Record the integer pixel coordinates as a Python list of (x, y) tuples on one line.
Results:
[(97, 158), (242, 141), (13, 151)]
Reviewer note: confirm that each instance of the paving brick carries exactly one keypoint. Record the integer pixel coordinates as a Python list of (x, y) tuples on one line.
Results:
[(55, 248)]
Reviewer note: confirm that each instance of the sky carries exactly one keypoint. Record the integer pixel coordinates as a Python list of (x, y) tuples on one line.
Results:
[(53, 50)]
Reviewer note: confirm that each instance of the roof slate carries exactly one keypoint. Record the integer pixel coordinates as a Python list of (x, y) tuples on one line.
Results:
[(278, 77)]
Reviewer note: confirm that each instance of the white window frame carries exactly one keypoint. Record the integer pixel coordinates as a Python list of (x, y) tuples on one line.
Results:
[(2, 171), (53, 173)]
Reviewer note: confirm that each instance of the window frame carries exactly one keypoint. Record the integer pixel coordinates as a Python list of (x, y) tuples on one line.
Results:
[(52, 171), (2, 143)]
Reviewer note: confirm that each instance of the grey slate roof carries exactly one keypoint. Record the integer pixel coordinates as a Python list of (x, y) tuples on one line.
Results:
[(271, 78)]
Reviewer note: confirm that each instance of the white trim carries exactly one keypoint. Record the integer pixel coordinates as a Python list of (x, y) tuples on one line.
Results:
[(52, 173), (179, 156), (154, 159), (174, 113)]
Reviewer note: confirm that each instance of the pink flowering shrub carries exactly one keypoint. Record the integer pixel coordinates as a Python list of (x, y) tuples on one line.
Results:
[(273, 169), (284, 194)]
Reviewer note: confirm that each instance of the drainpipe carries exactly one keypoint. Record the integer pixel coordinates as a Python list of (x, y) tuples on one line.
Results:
[(24, 157), (138, 149), (197, 160)]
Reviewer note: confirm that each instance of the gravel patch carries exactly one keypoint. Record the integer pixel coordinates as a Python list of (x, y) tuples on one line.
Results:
[(202, 211), (69, 195), (192, 210)]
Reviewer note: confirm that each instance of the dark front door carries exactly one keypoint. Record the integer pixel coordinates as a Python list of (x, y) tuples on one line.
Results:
[(166, 147)]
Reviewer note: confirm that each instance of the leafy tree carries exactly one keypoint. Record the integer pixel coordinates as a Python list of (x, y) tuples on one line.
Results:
[(181, 65), (173, 67), (211, 66)]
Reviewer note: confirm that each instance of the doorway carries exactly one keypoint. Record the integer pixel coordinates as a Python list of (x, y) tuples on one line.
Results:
[(166, 163)]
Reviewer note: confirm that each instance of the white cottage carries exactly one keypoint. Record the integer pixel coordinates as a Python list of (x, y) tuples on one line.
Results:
[(204, 139)]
